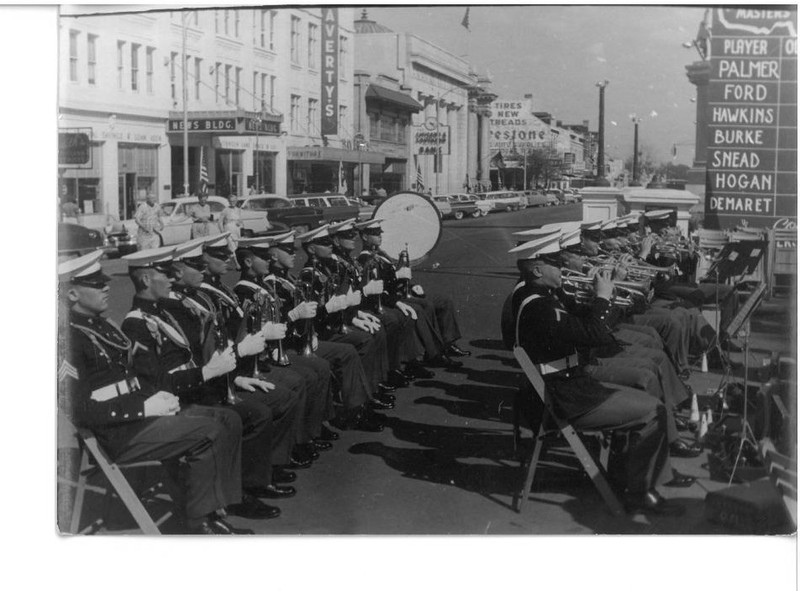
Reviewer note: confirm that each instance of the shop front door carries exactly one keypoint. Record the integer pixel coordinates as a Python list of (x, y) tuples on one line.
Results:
[(127, 196)]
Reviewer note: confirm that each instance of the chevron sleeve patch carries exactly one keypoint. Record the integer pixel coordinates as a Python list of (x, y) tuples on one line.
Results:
[(67, 370)]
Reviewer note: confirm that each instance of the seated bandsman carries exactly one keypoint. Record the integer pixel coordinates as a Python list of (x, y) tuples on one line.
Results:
[(262, 305), (291, 387), (550, 335), (135, 420), (162, 356), (335, 324), (439, 330), (397, 320), (296, 297)]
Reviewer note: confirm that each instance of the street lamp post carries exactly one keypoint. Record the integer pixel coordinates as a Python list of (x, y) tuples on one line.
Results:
[(438, 154), (256, 162), (601, 165), (359, 145), (636, 120)]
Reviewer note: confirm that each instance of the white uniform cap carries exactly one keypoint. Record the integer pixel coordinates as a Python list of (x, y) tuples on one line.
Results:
[(570, 238), (342, 226), (658, 214), (537, 232), (591, 226), (257, 242), (189, 250), (311, 235), (374, 223), (81, 267), (150, 257), (541, 246), (217, 241), (285, 238)]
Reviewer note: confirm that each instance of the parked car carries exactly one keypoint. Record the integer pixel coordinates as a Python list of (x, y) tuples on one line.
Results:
[(365, 210), (118, 240), (74, 239), (536, 199), (283, 213), (334, 207), (555, 194), (464, 204), (503, 200), (442, 203)]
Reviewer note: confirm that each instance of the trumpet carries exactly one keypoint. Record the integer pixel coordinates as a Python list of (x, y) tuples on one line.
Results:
[(372, 271), (267, 305), (221, 338), (626, 293), (306, 292), (403, 260)]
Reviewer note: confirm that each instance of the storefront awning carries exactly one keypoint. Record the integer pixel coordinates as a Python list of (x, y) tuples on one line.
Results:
[(399, 99), (333, 154)]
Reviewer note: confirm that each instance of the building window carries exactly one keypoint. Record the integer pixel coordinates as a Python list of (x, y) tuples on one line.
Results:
[(264, 169), (238, 85), (172, 84), (313, 114), (216, 82), (227, 21), (216, 22), (135, 67), (273, 17), (227, 84), (73, 56), (263, 94), (121, 65), (294, 113), (342, 57), (138, 175), (374, 126), (262, 28), (295, 46), (313, 45), (149, 70), (198, 68), (272, 93), (91, 59), (236, 23), (255, 92), (196, 15), (342, 118)]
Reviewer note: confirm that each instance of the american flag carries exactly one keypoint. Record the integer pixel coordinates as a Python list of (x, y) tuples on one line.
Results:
[(420, 185), (203, 173)]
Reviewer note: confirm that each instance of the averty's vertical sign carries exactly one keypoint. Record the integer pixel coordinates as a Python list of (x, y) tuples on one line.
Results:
[(330, 72), (752, 147)]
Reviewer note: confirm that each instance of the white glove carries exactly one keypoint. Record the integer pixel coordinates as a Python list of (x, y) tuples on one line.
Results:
[(362, 324), (303, 311), (221, 362), (407, 310), (250, 384), (418, 291), (252, 344), (161, 404), (370, 319), (374, 287), (333, 305), (273, 331), (353, 298), (403, 273)]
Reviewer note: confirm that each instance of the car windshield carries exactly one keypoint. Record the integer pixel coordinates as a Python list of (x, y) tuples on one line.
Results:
[(337, 201), (168, 207)]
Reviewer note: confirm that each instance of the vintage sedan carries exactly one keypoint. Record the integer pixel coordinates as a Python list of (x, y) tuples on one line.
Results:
[(442, 203), (74, 239), (464, 204), (283, 213), (335, 208), (178, 222)]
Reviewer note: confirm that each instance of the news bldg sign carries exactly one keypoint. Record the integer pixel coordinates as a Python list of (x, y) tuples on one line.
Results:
[(752, 144)]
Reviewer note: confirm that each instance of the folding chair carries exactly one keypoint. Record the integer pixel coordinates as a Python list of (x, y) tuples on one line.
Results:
[(91, 450), (596, 473)]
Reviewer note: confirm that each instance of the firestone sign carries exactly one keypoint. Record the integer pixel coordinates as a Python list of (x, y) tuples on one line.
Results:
[(752, 147), (512, 127)]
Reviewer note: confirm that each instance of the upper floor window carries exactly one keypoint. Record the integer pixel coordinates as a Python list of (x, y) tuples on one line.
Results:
[(198, 68), (91, 59), (227, 85), (273, 19), (172, 82), (73, 56), (238, 85), (216, 22), (135, 67), (313, 114), (149, 74), (227, 21), (121, 65), (294, 113), (342, 56), (313, 45), (295, 41), (216, 82)]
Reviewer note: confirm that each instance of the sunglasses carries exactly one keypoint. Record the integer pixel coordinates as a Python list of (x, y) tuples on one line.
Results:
[(92, 284), (347, 234), (327, 241), (287, 248), (373, 232)]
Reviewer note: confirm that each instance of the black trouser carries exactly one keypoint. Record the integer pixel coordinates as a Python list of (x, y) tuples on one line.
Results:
[(427, 327), (346, 366), (209, 439), (371, 349), (400, 339)]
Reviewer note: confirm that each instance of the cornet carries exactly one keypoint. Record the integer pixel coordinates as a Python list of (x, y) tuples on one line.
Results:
[(581, 289)]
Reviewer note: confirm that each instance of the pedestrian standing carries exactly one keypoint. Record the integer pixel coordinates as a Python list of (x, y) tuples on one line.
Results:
[(148, 219), (201, 217), (230, 220)]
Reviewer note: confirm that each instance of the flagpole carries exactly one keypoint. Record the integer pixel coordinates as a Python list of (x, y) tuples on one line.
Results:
[(185, 112)]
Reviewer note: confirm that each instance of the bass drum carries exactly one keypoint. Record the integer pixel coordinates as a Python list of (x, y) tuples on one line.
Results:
[(409, 219)]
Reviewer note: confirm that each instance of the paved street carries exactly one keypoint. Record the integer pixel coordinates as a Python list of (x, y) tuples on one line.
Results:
[(444, 463)]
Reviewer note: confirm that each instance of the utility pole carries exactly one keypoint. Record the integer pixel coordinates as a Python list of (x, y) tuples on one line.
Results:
[(601, 140), (185, 110)]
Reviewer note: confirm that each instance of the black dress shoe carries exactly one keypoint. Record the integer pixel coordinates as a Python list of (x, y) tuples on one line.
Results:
[(416, 370), (680, 480), (456, 352), (272, 491), (217, 526), (366, 420), (383, 387), (328, 435), (653, 503), (321, 445), (281, 476), (306, 451), (376, 404), (298, 463), (684, 449), (398, 377), (252, 508), (682, 423), (385, 396), (445, 361)]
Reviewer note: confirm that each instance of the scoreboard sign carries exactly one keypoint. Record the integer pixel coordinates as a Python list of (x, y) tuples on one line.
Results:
[(74, 148), (752, 144)]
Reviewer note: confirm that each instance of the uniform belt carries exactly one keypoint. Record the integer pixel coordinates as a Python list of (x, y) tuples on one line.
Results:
[(558, 365), (113, 390), (189, 365)]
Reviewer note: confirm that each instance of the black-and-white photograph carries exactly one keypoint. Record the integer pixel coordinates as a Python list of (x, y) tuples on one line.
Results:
[(386, 270)]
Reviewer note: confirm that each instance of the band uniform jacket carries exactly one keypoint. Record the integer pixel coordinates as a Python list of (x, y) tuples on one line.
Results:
[(550, 334), (95, 357)]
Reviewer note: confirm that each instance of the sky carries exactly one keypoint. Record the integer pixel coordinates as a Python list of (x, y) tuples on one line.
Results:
[(559, 53)]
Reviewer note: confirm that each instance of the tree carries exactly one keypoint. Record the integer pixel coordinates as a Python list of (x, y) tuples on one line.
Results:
[(540, 170)]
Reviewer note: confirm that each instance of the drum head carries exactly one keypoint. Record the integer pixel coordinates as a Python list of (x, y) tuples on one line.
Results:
[(411, 219)]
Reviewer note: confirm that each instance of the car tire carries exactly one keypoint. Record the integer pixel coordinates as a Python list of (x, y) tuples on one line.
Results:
[(458, 215), (484, 213), (476, 213)]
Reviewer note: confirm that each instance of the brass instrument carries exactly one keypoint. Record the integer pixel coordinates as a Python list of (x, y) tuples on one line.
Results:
[(372, 271), (581, 289), (221, 338), (279, 356), (403, 260), (308, 276)]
